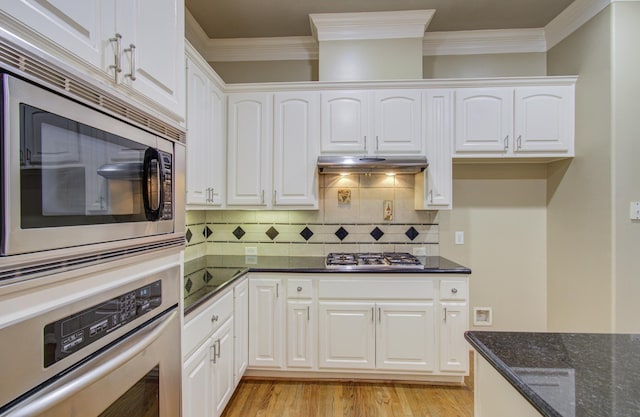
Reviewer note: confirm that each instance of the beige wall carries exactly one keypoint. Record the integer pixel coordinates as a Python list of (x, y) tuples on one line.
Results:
[(364, 60), (626, 166), (487, 65), (579, 192), (502, 211)]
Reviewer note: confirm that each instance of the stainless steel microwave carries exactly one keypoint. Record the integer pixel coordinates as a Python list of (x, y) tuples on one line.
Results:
[(73, 176)]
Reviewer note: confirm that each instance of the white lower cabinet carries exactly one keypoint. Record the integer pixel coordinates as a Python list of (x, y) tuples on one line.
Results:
[(454, 352), (347, 335), (214, 342), (266, 322), (301, 334)]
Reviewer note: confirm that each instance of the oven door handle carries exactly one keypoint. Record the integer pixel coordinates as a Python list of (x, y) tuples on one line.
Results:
[(152, 159), (41, 403)]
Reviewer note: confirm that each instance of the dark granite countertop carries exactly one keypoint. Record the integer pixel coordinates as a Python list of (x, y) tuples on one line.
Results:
[(210, 274), (568, 374)]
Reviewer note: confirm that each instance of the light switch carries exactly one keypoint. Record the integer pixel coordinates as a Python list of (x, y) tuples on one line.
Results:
[(635, 210), (459, 238)]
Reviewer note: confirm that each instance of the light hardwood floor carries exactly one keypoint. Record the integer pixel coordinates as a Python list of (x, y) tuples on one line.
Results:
[(274, 398)]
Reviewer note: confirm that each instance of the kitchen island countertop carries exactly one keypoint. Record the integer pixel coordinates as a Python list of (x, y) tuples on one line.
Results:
[(567, 374), (208, 275)]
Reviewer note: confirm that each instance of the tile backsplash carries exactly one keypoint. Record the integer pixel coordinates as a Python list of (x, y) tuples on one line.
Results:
[(353, 216)]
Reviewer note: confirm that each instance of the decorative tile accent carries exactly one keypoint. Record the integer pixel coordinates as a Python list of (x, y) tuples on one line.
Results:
[(306, 233), (376, 233), (188, 235), (272, 233), (207, 232), (238, 232), (411, 233), (188, 285), (341, 233), (206, 277)]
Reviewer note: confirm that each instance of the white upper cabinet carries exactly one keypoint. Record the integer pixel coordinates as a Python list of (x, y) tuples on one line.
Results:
[(295, 149), (397, 121), (372, 122), (206, 144), (152, 49), (434, 186), (273, 168), (136, 46), (533, 121), (345, 123), (249, 150)]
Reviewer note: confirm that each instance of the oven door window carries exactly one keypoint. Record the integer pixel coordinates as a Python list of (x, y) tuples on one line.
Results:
[(141, 400), (73, 174)]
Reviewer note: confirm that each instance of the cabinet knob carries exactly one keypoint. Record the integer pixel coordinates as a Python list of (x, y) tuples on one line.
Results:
[(299, 289), (214, 318), (454, 290)]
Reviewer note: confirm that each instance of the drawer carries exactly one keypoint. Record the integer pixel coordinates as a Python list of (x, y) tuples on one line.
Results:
[(376, 289), (453, 290), (203, 324), (299, 288)]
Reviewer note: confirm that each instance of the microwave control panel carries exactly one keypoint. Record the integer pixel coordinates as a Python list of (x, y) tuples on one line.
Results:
[(72, 333), (166, 212)]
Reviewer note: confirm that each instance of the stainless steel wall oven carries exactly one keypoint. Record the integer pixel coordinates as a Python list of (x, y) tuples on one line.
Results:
[(94, 343), (74, 176)]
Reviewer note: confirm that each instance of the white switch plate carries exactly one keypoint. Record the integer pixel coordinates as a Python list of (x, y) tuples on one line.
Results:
[(634, 212), (459, 238)]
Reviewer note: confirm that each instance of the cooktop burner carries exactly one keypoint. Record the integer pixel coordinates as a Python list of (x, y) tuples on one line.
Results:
[(372, 260)]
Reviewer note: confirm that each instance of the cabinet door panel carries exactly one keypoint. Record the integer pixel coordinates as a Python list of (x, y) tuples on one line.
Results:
[(266, 323), (454, 353), (223, 367), (155, 28), (344, 121), (398, 121), (544, 119), (241, 331), (295, 153), (82, 28), (347, 335), (405, 339), (484, 119), (301, 332), (197, 384), (249, 149)]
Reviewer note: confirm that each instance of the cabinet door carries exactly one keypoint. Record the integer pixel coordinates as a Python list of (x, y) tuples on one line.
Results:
[(241, 331), (295, 149), (199, 140), (249, 149), (197, 384), (405, 339), (301, 332), (435, 185), (483, 120), (544, 118), (155, 66), (345, 124), (346, 335), (454, 351), (222, 369), (397, 122), (82, 28), (266, 324)]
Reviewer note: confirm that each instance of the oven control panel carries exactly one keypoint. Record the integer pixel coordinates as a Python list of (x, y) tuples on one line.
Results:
[(70, 334)]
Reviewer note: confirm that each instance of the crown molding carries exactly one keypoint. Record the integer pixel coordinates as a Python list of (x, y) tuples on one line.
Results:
[(570, 19), (370, 25), (261, 49), (474, 42)]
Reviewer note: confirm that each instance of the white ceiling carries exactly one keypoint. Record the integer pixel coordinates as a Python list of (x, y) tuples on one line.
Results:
[(276, 18)]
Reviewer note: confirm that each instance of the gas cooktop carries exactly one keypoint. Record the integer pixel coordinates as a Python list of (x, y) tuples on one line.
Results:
[(393, 260)]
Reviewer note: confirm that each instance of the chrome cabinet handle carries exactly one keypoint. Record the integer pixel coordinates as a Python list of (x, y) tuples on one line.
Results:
[(262, 197), (373, 314), (506, 142), (365, 144), (274, 197), (214, 318), (430, 196), (132, 50), (218, 342), (117, 67), (308, 313), (454, 290), (520, 142), (377, 144), (277, 290), (379, 315), (299, 289), (445, 315), (213, 355)]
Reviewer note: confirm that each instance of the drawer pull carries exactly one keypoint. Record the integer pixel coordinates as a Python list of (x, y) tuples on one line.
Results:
[(299, 289), (454, 290), (214, 318)]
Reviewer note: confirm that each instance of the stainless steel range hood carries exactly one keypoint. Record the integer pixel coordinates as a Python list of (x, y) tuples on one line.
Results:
[(371, 164)]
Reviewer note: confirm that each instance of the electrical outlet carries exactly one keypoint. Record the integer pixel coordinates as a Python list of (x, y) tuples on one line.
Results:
[(482, 316), (250, 251), (634, 211)]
